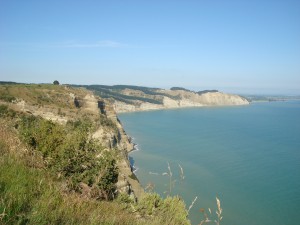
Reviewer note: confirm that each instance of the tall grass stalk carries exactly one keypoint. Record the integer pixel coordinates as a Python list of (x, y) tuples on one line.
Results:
[(218, 213)]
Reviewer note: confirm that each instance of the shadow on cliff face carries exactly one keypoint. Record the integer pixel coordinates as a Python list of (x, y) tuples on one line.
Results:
[(132, 161)]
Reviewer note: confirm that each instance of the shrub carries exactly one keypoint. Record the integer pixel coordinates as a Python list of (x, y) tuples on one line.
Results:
[(6, 112), (173, 210), (31, 196), (69, 152), (170, 210), (7, 97), (149, 204)]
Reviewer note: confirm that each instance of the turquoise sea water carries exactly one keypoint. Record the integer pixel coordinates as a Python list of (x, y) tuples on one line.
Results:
[(248, 156)]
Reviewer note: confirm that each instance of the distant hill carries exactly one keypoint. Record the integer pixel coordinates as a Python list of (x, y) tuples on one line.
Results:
[(270, 98), (127, 98)]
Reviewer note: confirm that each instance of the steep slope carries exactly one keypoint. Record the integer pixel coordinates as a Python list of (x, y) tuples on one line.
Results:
[(64, 151), (134, 98), (62, 104)]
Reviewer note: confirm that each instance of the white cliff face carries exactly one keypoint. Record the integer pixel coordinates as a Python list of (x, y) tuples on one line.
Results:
[(170, 103), (217, 98), (149, 106), (183, 99), (123, 107)]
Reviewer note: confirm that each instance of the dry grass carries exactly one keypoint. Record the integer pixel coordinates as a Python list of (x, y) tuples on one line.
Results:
[(208, 216), (43, 94), (30, 193)]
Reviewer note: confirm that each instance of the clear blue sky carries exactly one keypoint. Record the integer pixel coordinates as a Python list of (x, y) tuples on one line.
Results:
[(237, 46)]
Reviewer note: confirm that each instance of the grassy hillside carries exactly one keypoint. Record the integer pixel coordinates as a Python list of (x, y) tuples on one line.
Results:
[(57, 173)]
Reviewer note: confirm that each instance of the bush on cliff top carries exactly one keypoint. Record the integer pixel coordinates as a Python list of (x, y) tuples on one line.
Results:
[(68, 151)]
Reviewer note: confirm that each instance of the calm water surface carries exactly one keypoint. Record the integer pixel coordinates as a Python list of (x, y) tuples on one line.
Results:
[(248, 156)]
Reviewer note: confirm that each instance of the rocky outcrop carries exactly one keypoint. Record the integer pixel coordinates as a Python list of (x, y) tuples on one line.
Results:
[(128, 98), (114, 139), (112, 136), (182, 98)]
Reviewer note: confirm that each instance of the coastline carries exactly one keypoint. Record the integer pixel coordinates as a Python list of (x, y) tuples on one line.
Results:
[(178, 107), (131, 159), (184, 99), (132, 147), (235, 117)]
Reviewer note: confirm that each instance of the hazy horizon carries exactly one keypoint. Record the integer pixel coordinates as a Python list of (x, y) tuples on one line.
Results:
[(234, 46), (240, 91)]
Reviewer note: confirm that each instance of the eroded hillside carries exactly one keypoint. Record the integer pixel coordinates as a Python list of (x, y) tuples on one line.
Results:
[(134, 98), (62, 104), (70, 140)]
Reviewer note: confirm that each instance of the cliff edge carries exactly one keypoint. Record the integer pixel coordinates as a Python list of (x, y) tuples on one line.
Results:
[(126, 98), (63, 105)]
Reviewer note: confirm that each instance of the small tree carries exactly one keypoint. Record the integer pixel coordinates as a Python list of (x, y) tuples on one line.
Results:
[(56, 82)]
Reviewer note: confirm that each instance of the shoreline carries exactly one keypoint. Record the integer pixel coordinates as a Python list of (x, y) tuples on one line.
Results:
[(130, 158), (180, 107), (134, 145)]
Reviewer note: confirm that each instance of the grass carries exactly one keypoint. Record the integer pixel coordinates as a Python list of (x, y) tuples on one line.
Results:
[(38, 94), (31, 192), (30, 196), (208, 215), (6, 112), (33, 196), (43, 164)]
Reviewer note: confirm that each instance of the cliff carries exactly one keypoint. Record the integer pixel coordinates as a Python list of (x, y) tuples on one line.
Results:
[(62, 104), (134, 98), (64, 151)]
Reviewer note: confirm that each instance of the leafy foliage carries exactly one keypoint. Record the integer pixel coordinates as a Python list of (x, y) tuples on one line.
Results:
[(61, 161), (71, 154), (56, 82), (150, 204), (171, 209), (31, 196)]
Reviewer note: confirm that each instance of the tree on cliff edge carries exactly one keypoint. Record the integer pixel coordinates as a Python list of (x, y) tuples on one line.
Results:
[(56, 82)]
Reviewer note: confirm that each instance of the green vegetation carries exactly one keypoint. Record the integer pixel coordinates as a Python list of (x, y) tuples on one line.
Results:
[(38, 94), (57, 174), (68, 151), (32, 196), (114, 92), (6, 96), (179, 89), (6, 112), (172, 209), (146, 90), (56, 82), (106, 93), (206, 91), (30, 187)]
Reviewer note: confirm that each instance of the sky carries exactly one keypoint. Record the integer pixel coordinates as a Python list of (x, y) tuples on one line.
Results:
[(236, 46)]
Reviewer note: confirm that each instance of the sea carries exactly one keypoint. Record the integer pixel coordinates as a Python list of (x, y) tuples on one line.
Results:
[(246, 156)]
